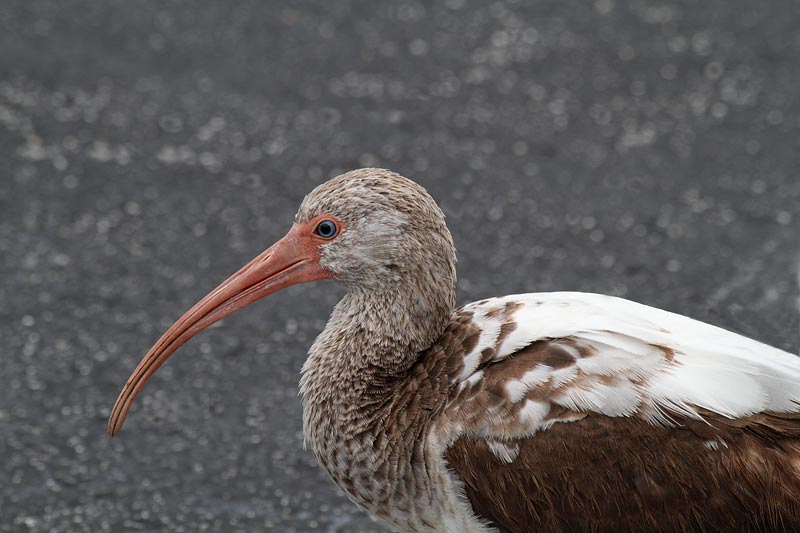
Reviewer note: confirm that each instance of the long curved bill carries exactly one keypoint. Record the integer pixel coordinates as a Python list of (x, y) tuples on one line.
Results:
[(291, 260)]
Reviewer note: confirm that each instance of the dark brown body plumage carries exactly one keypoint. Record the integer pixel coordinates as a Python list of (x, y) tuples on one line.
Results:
[(623, 474)]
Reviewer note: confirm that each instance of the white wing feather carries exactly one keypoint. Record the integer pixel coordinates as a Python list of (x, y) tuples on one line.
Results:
[(710, 368)]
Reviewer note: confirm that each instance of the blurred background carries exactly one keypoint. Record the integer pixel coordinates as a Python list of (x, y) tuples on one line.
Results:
[(647, 149)]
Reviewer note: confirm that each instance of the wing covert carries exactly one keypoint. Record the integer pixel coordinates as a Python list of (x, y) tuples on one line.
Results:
[(573, 353)]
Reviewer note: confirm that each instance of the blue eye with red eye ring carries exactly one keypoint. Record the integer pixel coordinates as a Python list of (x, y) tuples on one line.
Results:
[(327, 229)]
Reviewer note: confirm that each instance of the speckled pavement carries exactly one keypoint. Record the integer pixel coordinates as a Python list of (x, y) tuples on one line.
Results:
[(644, 149)]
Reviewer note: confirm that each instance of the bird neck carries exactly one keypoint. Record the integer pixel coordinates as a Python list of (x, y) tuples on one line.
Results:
[(375, 335), (392, 324), (365, 352), (364, 407)]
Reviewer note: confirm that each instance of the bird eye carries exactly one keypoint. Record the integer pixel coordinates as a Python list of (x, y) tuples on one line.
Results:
[(326, 229)]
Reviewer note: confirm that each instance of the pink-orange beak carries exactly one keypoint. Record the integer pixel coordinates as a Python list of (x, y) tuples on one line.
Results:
[(293, 259)]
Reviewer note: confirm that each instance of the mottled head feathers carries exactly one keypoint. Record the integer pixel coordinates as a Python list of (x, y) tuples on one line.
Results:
[(394, 234)]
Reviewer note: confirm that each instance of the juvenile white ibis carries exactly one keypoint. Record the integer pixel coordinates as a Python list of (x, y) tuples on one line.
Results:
[(554, 412)]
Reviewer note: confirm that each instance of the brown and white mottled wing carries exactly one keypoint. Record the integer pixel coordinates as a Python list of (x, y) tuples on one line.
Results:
[(575, 411)]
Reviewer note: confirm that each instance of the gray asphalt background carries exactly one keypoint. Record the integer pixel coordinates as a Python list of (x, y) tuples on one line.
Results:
[(148, 149)]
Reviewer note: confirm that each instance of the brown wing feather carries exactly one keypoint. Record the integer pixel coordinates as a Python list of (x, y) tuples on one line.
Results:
[(624, 474)]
